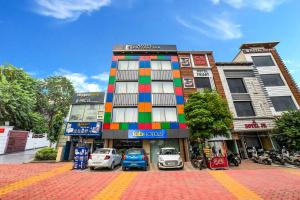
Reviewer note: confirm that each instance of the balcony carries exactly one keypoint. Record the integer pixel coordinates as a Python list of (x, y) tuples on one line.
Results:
[(127, 75), (163, 99), (125, 100), (161, 75)]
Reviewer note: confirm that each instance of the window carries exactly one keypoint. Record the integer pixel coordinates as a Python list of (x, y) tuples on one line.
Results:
[(128, 65), (243, 108), (161, 65), (126, 87), (85, 113), (202, 82), (283, 103), (272, 80), (77, 113), (90, 113), (262, 61), (125, 114), (162, 87), (164, 114), (236, 85)]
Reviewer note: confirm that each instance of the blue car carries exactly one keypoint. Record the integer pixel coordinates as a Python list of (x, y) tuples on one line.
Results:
[(135, 158)]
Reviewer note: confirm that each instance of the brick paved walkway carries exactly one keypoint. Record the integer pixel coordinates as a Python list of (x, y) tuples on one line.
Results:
[(58, 181)]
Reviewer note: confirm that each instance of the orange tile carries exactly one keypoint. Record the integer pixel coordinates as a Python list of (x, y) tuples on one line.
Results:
[(108, 107), (156, 125), (145, 71), (113, 72), (114, 126), (180, 109), (176, 74), (145, 107)]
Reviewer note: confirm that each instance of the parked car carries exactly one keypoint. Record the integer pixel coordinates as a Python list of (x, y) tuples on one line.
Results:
[(104, 158), (169, 157), (135, 158)]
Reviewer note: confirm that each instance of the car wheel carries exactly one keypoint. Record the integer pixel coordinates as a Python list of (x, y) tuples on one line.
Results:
[(92, 168), (145, 168), (112, 166)]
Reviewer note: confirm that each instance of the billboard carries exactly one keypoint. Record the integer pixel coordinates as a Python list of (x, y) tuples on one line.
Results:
[(147, 134), (83, 128)]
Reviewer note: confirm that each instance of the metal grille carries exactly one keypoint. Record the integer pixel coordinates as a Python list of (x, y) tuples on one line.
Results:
[(127, 75), (161, 75), (238, 73), (125, 99), (241, 97), (163, 100), (171, 163)]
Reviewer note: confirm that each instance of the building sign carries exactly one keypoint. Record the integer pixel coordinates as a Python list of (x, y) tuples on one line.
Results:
[(145, 47), (185, 62), (256, 50), (83, 128), (88, 98), (201, 73), (2, 130), (147, 134), (218, 163), (254, 124), (188, 82), (200, 60)]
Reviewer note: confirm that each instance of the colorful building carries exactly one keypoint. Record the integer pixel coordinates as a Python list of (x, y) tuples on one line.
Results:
[(144, 101)]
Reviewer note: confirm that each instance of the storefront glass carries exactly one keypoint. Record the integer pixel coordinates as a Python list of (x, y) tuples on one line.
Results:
[(155, 146)]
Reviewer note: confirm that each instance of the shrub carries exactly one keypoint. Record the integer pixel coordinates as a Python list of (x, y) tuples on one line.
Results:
[(46, 153)]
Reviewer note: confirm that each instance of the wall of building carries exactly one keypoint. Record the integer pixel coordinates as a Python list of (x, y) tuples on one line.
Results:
[(36, 142), (4, 138)]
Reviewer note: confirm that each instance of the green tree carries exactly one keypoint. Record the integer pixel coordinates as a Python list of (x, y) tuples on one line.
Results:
[(287, 131), (207, 115), (57, 92)]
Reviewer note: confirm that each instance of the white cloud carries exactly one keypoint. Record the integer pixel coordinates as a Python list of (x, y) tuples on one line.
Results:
[(102, 77), (83, 83), (68, 9), (262, 5), (217, 27)]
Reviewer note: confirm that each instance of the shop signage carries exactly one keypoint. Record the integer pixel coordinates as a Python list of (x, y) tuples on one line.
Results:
[(254, 124), (200, 60), (147, 134), (201, 73), (2, 130), (185, 61), (88, 98), (188, 82), (218, 163), (260, 50), (145, 47), (83, 128)]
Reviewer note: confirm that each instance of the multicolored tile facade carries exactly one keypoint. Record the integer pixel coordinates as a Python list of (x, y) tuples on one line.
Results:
[(144, 96)]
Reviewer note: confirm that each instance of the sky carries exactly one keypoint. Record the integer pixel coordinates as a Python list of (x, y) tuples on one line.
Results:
[(74, 38)]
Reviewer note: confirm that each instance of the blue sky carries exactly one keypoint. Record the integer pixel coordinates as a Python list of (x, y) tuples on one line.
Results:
[(74, 38)]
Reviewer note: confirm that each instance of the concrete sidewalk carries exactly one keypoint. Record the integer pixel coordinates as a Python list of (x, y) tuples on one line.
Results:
[(17, 158)]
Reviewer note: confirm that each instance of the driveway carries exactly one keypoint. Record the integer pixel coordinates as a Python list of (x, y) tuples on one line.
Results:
[(20, 157)]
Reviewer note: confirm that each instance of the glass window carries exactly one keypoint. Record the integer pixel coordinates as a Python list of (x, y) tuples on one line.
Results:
[(243, 108), (126, 87), (161, 65), (128, 65), (162, 87), (164, 114), (283, 103), (90, 113), (236, 85), (77, 113), (202, 82), (263, 61), (272, 80), (125, 114)]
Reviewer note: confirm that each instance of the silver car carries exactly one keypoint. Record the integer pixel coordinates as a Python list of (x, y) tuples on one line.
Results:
[(104, 158)]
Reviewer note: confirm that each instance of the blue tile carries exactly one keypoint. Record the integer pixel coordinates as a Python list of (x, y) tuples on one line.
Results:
[(179, 99), (174, 125), (145, 64), (109, 97), (132, 125), (144, 97), (175, 65)]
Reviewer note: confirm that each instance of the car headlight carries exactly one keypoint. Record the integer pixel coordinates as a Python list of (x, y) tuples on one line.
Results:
[(161, 159), (180, 160)]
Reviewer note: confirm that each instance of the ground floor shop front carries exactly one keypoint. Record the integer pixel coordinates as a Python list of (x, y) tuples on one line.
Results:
[(122, 140)]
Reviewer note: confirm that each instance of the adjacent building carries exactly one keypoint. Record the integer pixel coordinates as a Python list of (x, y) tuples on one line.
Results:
[(144, 103)]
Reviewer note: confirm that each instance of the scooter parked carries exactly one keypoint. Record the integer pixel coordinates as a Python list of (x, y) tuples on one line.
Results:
[(276, 157), (233, 159), (260, 157), (293, 159)]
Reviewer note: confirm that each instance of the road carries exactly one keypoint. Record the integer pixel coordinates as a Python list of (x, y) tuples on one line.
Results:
[(17, 158)]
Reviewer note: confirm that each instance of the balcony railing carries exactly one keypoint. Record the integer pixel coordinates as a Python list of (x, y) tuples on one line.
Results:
[(161, 75), (125, 99), (127, 75), (163, 99)]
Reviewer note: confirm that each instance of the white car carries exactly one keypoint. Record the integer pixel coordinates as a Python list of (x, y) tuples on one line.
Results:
[(169, 158), (104, 158)]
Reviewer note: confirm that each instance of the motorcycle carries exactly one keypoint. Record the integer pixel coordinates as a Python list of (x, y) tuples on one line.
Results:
[(293, 159), (260, 157), (276, 157), (198, 162), (233, 159)]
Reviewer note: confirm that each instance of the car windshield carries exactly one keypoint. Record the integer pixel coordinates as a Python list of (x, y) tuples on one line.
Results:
[(102, 151), (168, 151), (134, 151)]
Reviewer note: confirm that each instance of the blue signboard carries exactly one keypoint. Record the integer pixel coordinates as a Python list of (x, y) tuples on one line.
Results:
[(147, 134), (83, 128)]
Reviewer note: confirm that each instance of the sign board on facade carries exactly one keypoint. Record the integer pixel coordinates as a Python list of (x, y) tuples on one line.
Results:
[(83, 128), (201, 73), (2, 130), (188, 82), (145, 47), (200, 60), (88, 98), (185, 62), (254, 124), (256, 50), (147, 134)]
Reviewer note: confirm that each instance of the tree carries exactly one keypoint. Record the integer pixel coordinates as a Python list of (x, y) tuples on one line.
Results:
[(57, 92), (207, 115), (287, 131)]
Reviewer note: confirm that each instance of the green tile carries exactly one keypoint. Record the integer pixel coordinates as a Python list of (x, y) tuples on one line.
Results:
[(181, 118), (144, 79), (145, 117), (165, 125), (177, 82), (123, 126), (111, 80), (107, 117)]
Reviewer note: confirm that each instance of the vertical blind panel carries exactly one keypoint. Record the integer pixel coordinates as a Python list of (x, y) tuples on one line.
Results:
[(161, 75), (163, 99), (125, 99), (127, 75)]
